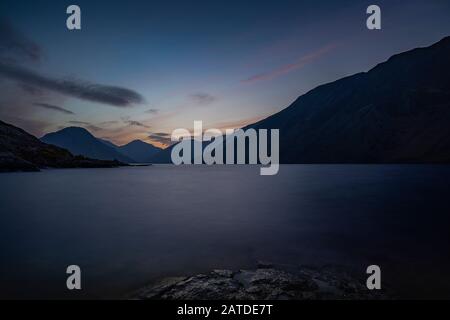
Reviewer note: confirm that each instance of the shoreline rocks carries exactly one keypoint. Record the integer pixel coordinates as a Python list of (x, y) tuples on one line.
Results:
[(263, 283)]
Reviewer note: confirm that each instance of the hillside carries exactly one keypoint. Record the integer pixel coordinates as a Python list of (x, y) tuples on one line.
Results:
[(20, 151), (79, 141), (398, 112)]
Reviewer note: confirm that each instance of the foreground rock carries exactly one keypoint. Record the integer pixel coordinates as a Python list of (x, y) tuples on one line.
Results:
[(20, 151), (261, 284)]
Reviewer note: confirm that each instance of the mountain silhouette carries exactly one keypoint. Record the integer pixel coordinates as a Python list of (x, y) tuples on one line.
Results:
[(139, 151), (79, 141), (108, 143), (397, 112), (20, 151)]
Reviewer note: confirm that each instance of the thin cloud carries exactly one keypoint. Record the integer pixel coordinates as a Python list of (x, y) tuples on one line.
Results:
[(202, 98), (152, 111), (109, 123), (93, 128), (33, 91), (110, 95), (52, 107), (84, 123), (136, 123), (287, 68), (14, 44), (237, 123), (160, 137)]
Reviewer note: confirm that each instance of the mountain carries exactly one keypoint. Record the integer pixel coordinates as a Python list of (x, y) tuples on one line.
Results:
[(108, 143), (163, 156), (20, 151), (79, 141), (397, 112), (139, 150)]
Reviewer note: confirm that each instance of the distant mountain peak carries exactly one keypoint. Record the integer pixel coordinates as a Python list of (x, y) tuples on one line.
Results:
[(80, 141), (137, 142), (75, 129), (139, 150)]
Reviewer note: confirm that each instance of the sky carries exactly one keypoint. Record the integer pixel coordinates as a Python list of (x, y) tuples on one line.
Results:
[(140, 69)]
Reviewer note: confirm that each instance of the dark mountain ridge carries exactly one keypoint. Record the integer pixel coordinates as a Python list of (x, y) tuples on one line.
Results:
[(20, 151), (139, 151), (397, 112), (80, 141)]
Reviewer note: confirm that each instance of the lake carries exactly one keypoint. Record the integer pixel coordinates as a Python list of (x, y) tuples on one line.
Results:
[(128, 226)]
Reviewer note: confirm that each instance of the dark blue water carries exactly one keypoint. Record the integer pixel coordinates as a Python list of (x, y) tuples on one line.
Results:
[(125, 227)]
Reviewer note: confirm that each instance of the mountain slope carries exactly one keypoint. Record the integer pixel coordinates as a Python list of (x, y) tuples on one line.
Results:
[(20, 151), (139, 150), (398, 112), (163, 156), (79, 141), (108, 143)]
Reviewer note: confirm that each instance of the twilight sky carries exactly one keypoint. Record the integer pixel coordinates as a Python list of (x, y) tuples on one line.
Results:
[(139, 69)]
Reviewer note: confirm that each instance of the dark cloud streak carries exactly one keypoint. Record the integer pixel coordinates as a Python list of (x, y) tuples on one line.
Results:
[(161, 137), (52, 107), (110, 95), (136, 123), (202, 98), (152, 111), (79, 122), (14, 44)]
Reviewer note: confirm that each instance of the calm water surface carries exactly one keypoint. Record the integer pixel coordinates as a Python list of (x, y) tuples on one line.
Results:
[(125, 227)]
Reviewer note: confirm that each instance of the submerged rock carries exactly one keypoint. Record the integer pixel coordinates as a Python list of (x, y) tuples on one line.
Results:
[(262, 283)]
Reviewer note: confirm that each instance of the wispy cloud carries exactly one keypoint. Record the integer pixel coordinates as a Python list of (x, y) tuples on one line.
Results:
[(161, 137), (136, 123), (152, 111), (110, 95), (30, 90), (16, 48), (109, 123), (52, 107), (301, 62), (13, 44), (202, 98), (79, 122)]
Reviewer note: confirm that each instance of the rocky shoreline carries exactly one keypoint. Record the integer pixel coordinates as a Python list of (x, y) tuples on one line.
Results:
[(266, 282)]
